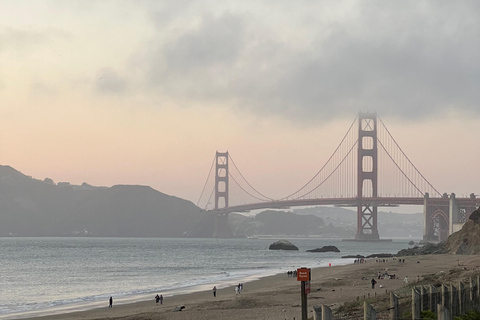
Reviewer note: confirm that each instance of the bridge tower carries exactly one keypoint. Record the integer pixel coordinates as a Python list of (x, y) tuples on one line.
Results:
[(367, 177), (221, 228), (221, 179)]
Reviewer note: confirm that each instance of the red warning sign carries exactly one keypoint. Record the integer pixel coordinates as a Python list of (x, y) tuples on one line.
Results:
[(303, 274), (307, 287)]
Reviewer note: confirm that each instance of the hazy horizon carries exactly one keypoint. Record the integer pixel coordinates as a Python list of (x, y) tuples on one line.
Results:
[(145, 92)]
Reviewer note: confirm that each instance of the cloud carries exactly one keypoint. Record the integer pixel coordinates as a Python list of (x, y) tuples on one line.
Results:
[(216, 41), (41, 88), (110, 82), (19, 41), (162, 13), (196, 63), (408, 59), (25, 42)]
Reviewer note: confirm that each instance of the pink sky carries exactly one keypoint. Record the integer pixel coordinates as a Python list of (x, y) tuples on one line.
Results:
[(146, 93)]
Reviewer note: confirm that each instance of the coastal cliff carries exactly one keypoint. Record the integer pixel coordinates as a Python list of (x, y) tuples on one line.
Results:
[(466, 241)]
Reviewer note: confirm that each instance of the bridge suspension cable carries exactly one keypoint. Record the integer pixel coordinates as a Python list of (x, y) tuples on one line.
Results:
[(205, 185), (265, 198), (315, 187), (412, 170), (338, 177), (324, 180)]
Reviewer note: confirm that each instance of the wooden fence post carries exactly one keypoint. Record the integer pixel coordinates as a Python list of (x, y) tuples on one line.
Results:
[(453, 305), (461, 299), (433, 298), (443, 312), (322, 313), (445, 296), (327, 313), (416, 301), (478, 289), (472, 292), (317, 313), (394, 308), (369, 313), (424, 298)]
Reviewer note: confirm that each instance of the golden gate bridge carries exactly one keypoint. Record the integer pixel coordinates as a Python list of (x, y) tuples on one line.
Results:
[(367, 170)]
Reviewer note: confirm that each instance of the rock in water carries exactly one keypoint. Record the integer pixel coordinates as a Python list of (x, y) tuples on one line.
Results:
[(380, 255), (357, 256), (325, 249), (282, 245)]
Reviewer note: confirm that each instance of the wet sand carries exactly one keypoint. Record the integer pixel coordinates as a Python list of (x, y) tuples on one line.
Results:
[(278, 297)]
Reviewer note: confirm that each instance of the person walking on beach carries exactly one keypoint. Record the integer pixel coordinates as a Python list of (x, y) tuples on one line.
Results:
[(157, 299), (161, 299), (214, 291), (373, 283), (110, 302)]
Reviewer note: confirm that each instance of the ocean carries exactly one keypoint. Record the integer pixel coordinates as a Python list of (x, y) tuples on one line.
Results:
[(42, 276)]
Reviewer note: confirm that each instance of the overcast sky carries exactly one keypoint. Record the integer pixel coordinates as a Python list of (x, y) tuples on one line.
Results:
[(145, 92)]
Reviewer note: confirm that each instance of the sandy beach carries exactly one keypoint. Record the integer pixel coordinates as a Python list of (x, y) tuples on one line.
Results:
[(278, 297)]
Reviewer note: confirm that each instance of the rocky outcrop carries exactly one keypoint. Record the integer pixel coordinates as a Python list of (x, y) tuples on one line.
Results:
[(464, 241), (428, 248), (357, 256), (283, 245), (467, 240), (325, 249), (380, 255)]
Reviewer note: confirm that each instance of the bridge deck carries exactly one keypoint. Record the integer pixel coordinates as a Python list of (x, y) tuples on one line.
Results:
[(345, 202)]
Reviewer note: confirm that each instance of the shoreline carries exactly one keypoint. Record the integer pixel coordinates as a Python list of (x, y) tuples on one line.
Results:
[(176, 298), (71, 284), (132, 299), (278, 296)]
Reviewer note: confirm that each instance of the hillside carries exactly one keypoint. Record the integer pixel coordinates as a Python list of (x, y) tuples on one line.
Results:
[(31, 207), (467, 239)]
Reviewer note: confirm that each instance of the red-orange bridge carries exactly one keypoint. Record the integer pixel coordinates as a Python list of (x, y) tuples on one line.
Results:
[(365, 170)]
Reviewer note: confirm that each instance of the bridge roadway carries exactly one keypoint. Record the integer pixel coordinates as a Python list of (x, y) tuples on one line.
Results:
[(346, 202)]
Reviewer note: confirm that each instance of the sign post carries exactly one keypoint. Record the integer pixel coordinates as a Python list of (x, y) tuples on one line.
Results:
[(304, 275)]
